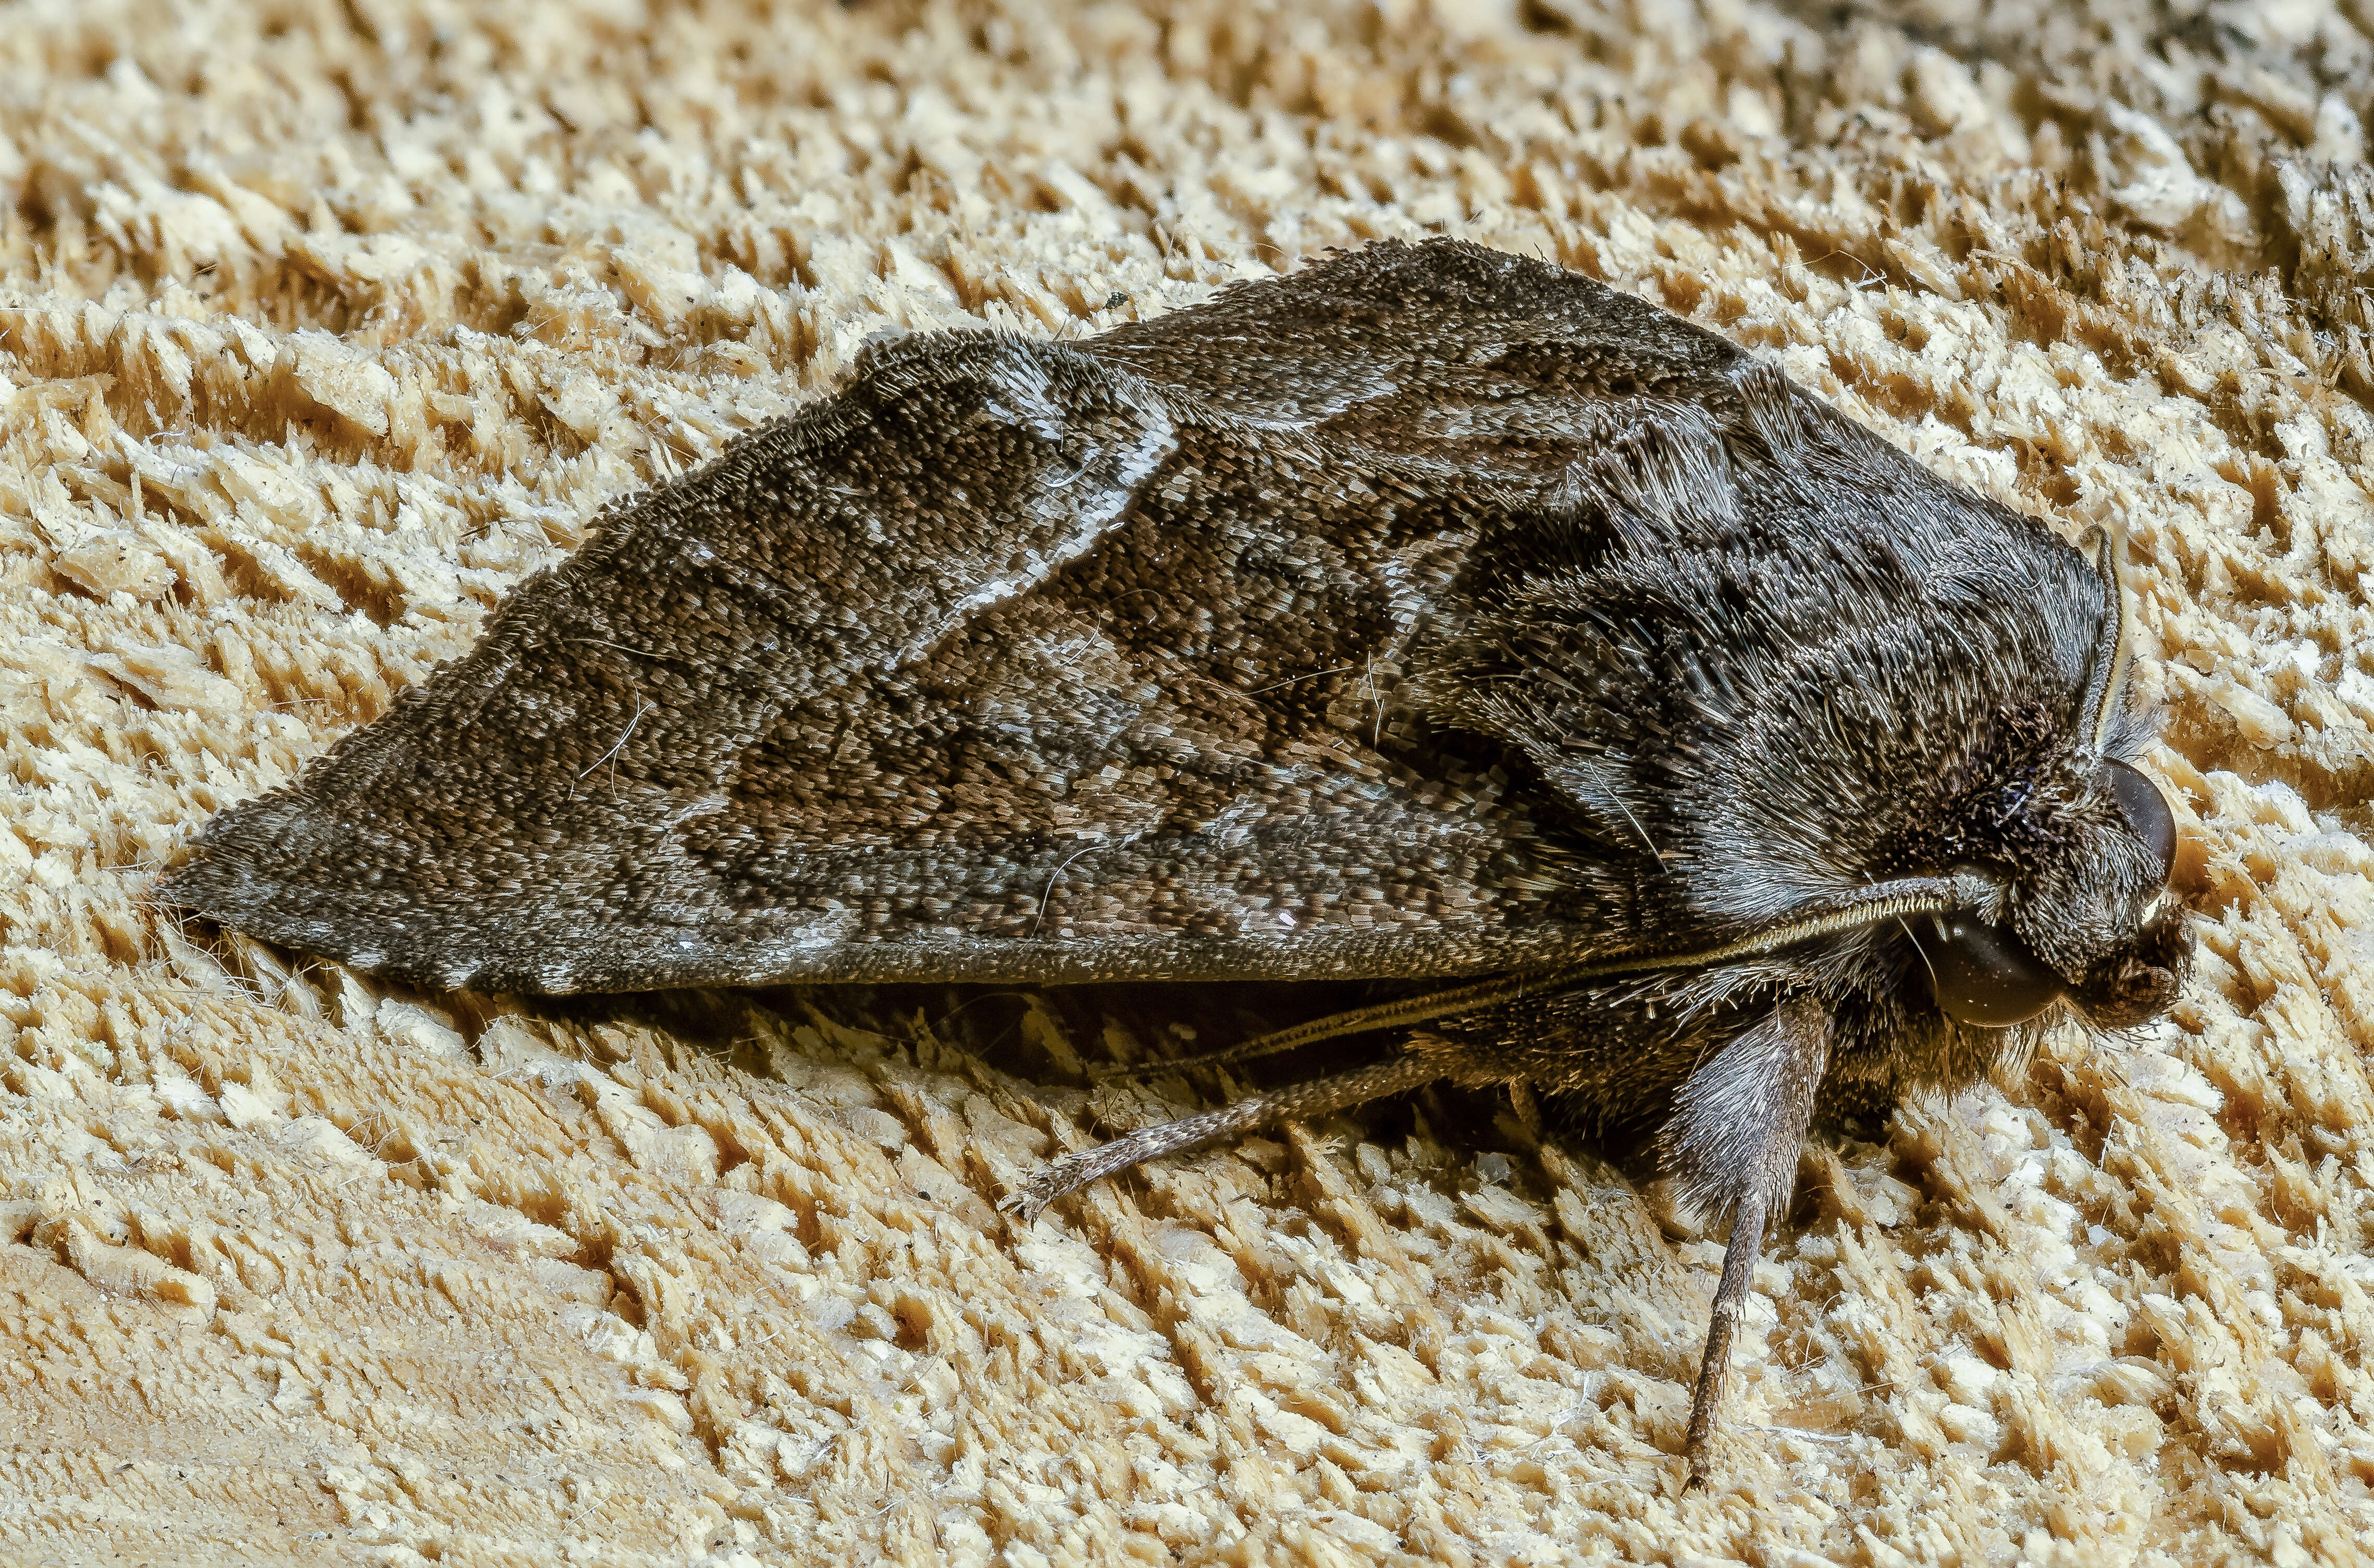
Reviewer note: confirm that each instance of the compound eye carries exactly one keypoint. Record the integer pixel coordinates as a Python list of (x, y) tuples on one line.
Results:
[(2145, 811), (1983, 974)]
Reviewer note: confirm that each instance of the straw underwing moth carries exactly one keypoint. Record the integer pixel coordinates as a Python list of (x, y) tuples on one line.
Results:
[(1431, 615)]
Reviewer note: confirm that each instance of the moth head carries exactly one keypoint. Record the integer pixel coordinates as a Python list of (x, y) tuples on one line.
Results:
[(2094, 923), (2078, 906)]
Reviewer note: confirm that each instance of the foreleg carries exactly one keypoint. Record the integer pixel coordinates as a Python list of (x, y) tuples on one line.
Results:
[(1732, 1146)]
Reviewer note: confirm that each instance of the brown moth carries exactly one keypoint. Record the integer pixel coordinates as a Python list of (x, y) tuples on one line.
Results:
[(1431, 615)]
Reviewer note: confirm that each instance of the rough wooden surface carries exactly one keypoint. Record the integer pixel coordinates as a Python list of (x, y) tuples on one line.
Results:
[(321, 325)]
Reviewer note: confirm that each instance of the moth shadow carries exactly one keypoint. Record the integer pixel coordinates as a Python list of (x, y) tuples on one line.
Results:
[(1072, 1036), (1075, 1035)]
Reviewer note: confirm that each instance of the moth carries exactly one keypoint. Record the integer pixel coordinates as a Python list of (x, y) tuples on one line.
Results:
[(1434, 615)]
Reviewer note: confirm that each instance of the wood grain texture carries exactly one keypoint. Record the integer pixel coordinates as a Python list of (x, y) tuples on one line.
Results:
[(321, 333)]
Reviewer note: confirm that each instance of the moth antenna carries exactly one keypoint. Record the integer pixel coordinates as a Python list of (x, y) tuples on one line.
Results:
[(2111, 654), (1123, 1072), (1870, 905), (1300, 1103), (1358, 1020)]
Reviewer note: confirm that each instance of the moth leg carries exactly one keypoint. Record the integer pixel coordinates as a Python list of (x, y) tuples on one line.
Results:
[(1527, 1110), (1732, 1146), (1299, 1102)]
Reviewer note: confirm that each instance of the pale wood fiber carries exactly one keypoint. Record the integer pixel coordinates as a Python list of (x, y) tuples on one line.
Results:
[(321, 325)]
